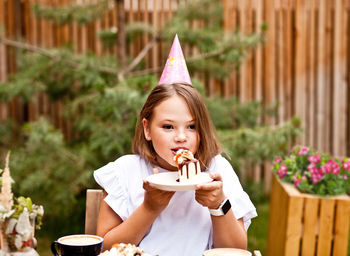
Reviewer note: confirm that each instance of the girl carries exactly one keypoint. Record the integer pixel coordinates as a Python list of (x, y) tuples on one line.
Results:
[(216, 214)]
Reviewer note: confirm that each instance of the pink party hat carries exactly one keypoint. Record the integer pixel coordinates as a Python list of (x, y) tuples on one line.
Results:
[(175, 70)]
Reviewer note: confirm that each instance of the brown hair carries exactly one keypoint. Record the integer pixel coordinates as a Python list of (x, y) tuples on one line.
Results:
[(208, 145)]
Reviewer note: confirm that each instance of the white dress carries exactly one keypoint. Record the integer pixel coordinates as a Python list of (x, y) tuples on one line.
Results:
[(184, 227)]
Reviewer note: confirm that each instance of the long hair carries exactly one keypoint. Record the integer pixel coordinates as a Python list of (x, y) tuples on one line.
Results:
[(208, 144)]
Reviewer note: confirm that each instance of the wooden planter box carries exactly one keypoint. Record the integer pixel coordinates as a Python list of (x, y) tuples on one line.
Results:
[(307, 225)]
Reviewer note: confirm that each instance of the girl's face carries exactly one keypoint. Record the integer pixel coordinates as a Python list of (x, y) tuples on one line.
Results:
[(172, 127)]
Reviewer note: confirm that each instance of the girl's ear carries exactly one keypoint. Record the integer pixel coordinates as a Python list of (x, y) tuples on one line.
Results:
[(146, 131)]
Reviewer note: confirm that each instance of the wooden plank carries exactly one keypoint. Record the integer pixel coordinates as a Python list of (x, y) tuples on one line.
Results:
[(211, 86), (300, 67), (258, 75), (98, 43), (280, 65), (106, 26), (145, 38), (26, 21), (267, 176), (3, 62), (321, 82), (288, 56), (294, 224), (34, 25), (325, 238), (50, 30), (248, 13), (65, 27), (339, 81), (312, 99), (276, 235), (138, 39), (270, 57), (93, 201), (310, 226), (130, 19), (341, 230), (328, 76), (164, 49), (245, 83), (155, 23), (11, 31), (115, 25), (230, 16), (84, 36), (258, 55)]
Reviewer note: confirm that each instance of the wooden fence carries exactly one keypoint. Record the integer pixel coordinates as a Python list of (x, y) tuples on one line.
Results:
[(304, 64)]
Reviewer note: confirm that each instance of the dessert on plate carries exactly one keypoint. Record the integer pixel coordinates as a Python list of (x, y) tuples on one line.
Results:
[(122, 249), (188, 167)]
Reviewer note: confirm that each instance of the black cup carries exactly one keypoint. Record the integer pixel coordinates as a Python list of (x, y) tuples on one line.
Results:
[(77, 245)]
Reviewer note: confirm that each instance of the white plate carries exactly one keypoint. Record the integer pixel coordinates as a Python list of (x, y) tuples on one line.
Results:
[(226, 252), (167, 181)]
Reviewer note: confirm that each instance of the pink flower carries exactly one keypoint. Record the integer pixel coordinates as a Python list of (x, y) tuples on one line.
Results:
[(331, 167), (277, 160), (282, 171), (303, 151), (326, 168), (345, 177), (316, 177), (297, 181), (336, 171), (335, 167), (346, 165), (313, 169), (314, 158)]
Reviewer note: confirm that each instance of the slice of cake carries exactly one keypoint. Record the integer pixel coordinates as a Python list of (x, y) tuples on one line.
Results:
[(188, 167)]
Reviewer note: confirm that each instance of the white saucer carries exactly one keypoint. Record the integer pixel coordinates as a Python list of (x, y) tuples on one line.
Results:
[(227, 252), (167, 181)]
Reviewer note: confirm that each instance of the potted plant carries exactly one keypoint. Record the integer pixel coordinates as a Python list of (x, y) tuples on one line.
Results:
[(314, 172), (19, 217), (309, 207)]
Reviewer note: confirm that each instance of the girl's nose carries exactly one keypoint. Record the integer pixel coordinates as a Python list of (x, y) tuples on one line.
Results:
[(180, 136)]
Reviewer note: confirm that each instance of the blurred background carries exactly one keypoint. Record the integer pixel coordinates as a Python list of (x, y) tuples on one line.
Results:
[(75, 73)]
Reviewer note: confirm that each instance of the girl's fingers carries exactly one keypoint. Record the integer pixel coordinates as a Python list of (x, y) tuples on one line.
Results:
[(147, 186), (215, 176), (215, 184)]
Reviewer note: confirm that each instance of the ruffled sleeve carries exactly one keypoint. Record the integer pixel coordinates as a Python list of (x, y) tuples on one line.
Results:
[(110, 177), (242, 206)]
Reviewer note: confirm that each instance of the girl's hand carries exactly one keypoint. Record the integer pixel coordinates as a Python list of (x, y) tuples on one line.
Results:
[(211, 194), (156, 200)]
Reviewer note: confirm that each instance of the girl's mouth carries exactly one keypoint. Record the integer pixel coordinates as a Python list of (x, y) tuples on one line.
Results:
[(174, 150)]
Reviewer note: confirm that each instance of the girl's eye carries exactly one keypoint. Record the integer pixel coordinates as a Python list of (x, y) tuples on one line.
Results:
[(192, 127), (167, 126)]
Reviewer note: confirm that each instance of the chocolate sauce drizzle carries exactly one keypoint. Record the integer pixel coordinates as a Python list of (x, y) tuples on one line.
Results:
[(186, 163)]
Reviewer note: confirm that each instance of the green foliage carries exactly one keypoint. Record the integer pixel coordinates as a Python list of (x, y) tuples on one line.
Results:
[(6, 138), (254, 145), (81, 13), (245, 139), (133, 30)]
